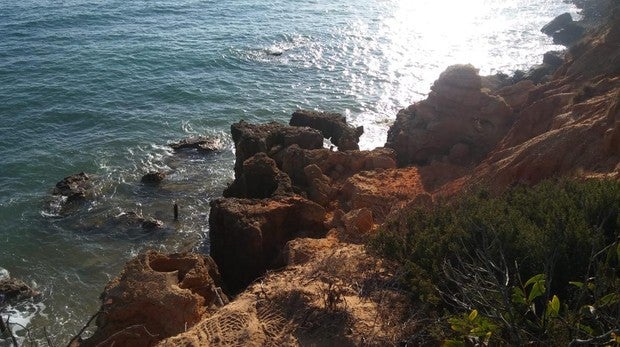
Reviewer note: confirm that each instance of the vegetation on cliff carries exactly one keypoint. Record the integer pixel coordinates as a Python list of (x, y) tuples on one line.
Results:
[(534, 265)]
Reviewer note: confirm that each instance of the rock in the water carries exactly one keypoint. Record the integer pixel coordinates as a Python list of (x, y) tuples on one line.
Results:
[(568, 35), (332, 125), (200, 143), (133, 219), (260, 179), (75, 187), (153, 177), (557, 23), (457, 111), (155, 297), (13, 290), (247, 236)]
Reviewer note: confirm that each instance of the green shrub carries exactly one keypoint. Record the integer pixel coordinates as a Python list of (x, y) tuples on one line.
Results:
[(474, 251)]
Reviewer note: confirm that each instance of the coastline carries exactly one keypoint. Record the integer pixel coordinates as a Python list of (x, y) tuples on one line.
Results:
[(346, 205)]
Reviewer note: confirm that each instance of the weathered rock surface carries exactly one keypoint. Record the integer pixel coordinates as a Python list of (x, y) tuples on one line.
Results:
[(153, 177), (270, 138), (155, 297), (333, 126), (200, 143), (260, 179), (330, 294), (457, 116), (134, 219), (13, 290), (246, 236), (75, 187)]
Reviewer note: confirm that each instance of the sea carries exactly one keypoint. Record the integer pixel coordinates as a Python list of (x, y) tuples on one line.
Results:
[(104, 86)]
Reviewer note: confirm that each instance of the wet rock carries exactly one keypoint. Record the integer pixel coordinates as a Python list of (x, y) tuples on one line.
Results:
[(332, 125), (13, 290), (155, 297), (247, 236), (557, 23), (568, 35), (153, 177), (270, 138), (134, 219), (200, 143), (457, 110), (259, 179), (75, 187)]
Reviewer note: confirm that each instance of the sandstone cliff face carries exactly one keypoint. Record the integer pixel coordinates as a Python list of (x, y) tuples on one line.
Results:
[(155, 297), (459, 121)]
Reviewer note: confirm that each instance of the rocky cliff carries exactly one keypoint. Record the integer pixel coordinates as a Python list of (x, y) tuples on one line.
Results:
[(287, 235)]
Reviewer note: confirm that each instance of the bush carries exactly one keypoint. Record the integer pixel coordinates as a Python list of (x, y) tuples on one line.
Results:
[(476, 251)]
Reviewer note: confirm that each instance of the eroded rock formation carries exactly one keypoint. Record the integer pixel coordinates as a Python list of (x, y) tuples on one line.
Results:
[(459, 121), (155, 297), (202, 144), (333, 126), (75, 187)]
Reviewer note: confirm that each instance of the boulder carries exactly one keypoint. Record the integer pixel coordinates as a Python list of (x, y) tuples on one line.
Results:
[(75, 187), (13, 290), (457, 111), (569, 34), (333, 126), (319, 186), (557, 23), (153, 177), (133, 219), (246, 236), (155, 297), (270, 138), (260, 179), (200, 143)]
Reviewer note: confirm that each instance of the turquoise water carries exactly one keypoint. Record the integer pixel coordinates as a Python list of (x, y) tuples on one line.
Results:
[(103, 86)]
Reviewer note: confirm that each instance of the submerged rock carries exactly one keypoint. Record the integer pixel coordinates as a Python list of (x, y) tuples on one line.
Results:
[(200, 143), (155, 297), (153, 177), (13, 290), (75, 187)]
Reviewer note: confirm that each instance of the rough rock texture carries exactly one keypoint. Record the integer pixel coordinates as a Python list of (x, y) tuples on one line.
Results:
[(260, 178), (381, 191), (75, 187), (246, 235), (13, 290), (155, 297), (330, 294), (133, 219), (332, 125), (458, 116), (320, 189), (270, 138), (153, 177), (200, 143)]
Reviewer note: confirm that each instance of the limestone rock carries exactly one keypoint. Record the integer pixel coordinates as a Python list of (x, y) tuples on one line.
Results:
[(457, 111), (319, 185), (75, 187), (200, 143), (270, 138), (332, 125), (260, 179), (153, 177), (247, 236), (13, 290), (155, 297)]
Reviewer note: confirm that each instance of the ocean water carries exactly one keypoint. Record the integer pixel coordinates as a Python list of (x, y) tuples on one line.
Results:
[(104, 86)]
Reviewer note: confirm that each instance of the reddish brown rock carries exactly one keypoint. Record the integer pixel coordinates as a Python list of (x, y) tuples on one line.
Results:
[(320, 188), (457, 112), (270, 138), (155, 297), (260, 179), (13, 290), (247, 236), (75, 187), (333, 126)]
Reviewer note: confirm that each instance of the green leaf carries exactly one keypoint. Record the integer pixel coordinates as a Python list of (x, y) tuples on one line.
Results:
[(586, 329), (609, 299), (538, 289), (553, 307), (576, 284), (473, 315), (518, 297), (535, 279), (453, 343)]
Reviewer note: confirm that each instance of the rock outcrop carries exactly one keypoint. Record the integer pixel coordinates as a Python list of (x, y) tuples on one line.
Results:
[(153, 177), (260, 178), (200, 143), (155, 297), (246, 236), (459, 121), (333, 126), (13, 290), (75, 187)]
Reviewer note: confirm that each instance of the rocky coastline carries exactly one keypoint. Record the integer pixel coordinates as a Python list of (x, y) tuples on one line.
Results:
[(288, 265)]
